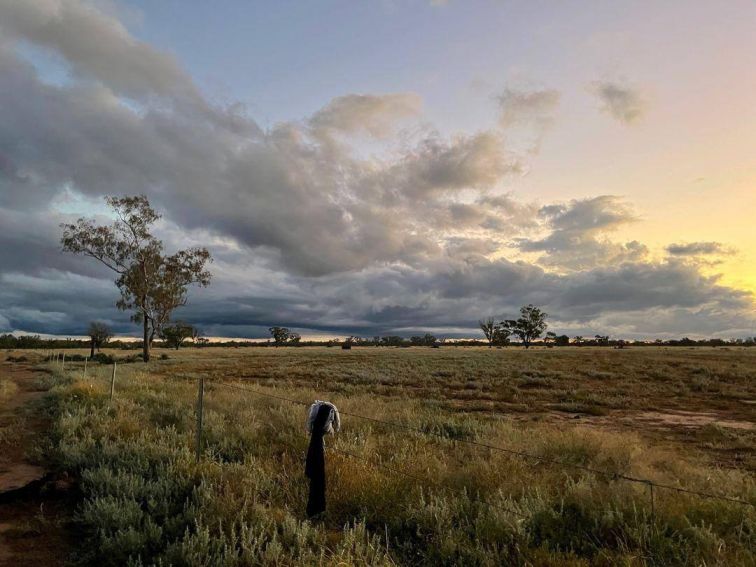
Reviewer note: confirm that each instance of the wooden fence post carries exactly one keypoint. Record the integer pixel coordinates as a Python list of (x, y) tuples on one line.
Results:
[(63, 362), (86, 358), (112, 382), (200, 403)]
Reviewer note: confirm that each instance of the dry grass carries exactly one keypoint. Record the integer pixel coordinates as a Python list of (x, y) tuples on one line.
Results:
[(8, 389), (244, 503), (607, 389)]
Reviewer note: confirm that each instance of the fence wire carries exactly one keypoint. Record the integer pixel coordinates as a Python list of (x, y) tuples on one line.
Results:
[(522, 454), (514, 452)]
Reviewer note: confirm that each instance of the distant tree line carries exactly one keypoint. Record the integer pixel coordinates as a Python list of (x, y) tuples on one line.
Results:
[(100, 336), (12, 342)]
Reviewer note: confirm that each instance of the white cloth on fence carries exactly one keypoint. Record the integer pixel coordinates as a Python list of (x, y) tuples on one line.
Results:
[(333, 424)]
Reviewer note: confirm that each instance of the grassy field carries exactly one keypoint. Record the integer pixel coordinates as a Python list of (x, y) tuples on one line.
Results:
[(679, 417)]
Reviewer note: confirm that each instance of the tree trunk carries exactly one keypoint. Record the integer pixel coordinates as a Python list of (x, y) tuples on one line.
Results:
[(146, 344), (91, 352)]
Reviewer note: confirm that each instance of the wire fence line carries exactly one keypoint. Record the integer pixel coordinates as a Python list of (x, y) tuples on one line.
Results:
[(370, 463), (523, 454)]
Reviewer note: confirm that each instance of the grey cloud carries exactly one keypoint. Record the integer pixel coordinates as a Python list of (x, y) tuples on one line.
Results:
[(697, 249), (54, 301), (577, 234), (532, 111), (460, 247), (624, 103), (98, 46), (456, 293), (604, 212), (313, 207), (535, 108), (373, 114), (478, 161), (453, 292)]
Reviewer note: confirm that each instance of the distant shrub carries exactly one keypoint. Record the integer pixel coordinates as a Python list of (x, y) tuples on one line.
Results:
[(103, 358)]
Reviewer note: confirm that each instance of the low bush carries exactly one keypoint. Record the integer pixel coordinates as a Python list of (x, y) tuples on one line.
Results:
[(103, 358)]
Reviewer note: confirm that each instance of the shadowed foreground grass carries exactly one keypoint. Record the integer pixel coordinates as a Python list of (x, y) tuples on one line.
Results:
[(145, 501)]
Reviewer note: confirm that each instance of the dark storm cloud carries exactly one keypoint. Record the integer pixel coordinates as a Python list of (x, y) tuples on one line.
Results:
[(306, 229)]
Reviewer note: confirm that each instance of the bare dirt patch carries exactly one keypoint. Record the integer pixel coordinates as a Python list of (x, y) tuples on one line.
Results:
[(16, 476), (692, 419)]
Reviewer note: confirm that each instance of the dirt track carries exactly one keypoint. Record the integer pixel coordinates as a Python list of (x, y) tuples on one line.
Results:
[(33, 514)]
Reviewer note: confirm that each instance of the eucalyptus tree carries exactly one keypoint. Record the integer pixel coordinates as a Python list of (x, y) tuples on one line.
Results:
[(529, 326), (99, 335), (152, 283), (496, 334)]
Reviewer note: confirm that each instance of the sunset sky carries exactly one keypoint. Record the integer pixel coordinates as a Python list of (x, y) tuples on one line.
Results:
[(389, 166)]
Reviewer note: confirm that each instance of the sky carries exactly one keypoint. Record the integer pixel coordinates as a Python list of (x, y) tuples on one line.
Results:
[(388, 166)]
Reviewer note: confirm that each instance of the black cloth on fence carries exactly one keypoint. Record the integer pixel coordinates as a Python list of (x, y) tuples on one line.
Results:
[(315, 465)]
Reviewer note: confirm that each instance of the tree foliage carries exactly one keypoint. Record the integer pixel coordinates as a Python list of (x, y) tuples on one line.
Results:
[(496, 334), (283, 336), (99, 335), (425, 340), (176, 334), (529, 326), (152, 284)]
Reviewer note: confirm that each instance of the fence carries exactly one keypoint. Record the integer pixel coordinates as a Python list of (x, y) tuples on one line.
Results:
[(536, 460), (522, 454)]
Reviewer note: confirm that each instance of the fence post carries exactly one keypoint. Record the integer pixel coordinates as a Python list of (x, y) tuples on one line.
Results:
[(653, 505), (200, 402), (86, 358), (112, 382), (63, 362)]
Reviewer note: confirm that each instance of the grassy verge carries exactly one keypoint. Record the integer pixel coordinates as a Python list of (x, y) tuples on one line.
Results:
[(144, 500)]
